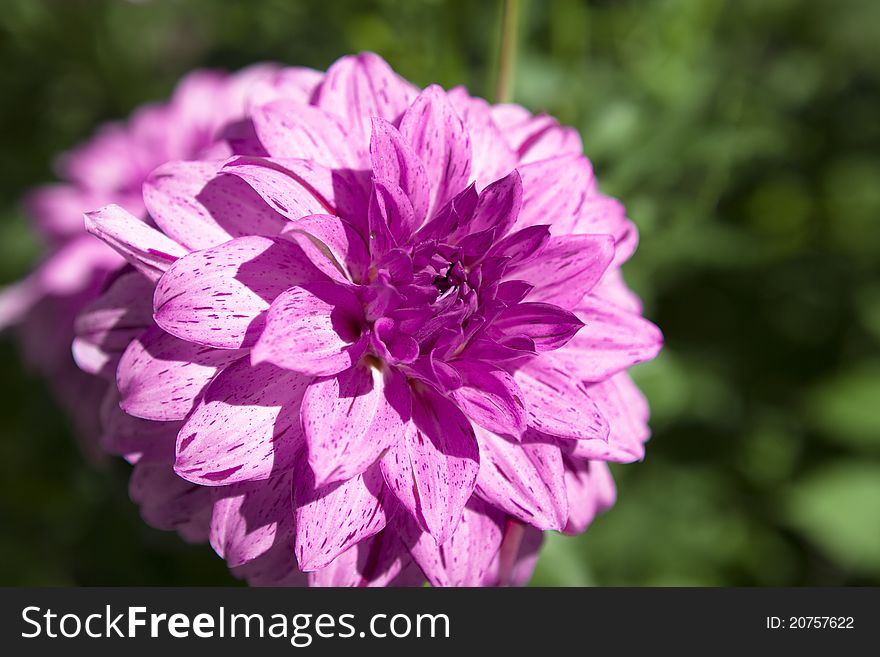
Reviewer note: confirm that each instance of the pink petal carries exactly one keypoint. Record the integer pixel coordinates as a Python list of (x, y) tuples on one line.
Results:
[(147, 249), (490, 398), (106, 326), (333, 518), (432, 471), (350, 419), (246, 427), (499, 205), (612, 340), (160, 376), (250, 518), (359, 87), (549, 327), (557, 405), (492, 156), (293, 130), (394, 161), (568, 267), (518, 555), (467, 557), (381, 560), (438, 137), (198, 208), (332, 245), (525, 478), (168, 502), (624, 406), (138, 441), (554, 190), (591, 491), (314, 330), (218, 297)]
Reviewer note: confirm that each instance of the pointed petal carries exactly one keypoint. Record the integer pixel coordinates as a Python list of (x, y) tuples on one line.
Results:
[(314, 329), (569, 266), (438, 137), (246, 427), (590, 490), (525, 478), (467, 558), (332, 245), (147, 249), (160, 376), (330, 519), (433, 469), (250, 518), (105, 327), (362, 86), (168, 502), (218, 297), (549, 327), (198, 208), (394, 161), (554, 190), (625, 408), (559, 406), (612, 340), (499, 205), (490, 397), (492, 156), (293, 130), (350, 419), (381, 560)]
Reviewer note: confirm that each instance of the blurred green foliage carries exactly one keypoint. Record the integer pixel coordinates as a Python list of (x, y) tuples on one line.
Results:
[(743, 137)]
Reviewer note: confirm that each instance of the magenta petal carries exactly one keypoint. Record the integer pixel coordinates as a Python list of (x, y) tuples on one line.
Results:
[(168, 502), (160, 376), (626, 410), (523, 245), (499, 205), (394, 161), (492, 156), (549, 327), (432, 470), (614, 339), (136, 440), (290, 129), (438, 137), (490, 397), (350, 419), (525, 478), (330, 519), (106, 326), (381, 560), (218, 297), (568, 268), (315, 330), (246, 427), (591, 491), (554, 190), (147, 249), (332, 245), (198, 208), (519, 553), (559, 406), (467, 557), (250, 518), (359, 87)]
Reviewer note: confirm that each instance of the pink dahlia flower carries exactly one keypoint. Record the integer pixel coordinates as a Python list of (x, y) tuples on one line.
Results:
[(391, 347), (109, 168)]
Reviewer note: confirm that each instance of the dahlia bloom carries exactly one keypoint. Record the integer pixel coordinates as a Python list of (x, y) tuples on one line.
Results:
[(387, 343), (108, 168)]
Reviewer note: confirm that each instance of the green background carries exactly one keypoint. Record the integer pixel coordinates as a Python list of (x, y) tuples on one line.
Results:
[(742, 136)]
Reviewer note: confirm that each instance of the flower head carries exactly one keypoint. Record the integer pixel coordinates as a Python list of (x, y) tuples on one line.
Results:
[(388, 344)]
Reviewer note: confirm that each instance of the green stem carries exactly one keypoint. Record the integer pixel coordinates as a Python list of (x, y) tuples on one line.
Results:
[(507, 52)]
